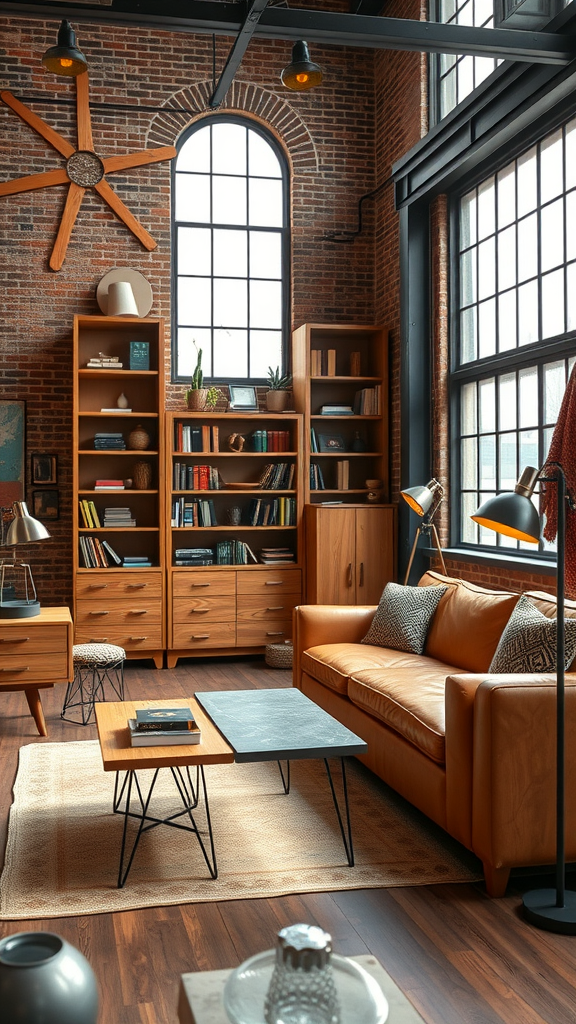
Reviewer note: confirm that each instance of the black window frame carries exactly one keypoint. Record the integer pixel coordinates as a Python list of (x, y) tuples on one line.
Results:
[(286, 243)]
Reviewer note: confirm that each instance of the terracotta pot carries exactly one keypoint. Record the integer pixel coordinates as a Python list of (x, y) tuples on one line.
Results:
[(277, 401), (142, 476), (139, 439), (196, 399)]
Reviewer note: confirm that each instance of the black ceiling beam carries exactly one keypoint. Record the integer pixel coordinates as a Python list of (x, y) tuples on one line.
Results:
[(369, 7), (241, 44), (204, 16)]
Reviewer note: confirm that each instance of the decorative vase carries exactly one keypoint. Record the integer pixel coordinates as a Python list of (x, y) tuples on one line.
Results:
[(142, 476), (138, 438), (122, 401), (277, 401), (196, 400), (44, 978)]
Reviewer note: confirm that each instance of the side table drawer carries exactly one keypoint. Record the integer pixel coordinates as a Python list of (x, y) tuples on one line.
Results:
[(23, 668), (39, 640), (197, 635), (194, 610)]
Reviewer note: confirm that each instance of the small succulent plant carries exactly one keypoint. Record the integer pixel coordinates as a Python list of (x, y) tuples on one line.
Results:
[(278, 382)]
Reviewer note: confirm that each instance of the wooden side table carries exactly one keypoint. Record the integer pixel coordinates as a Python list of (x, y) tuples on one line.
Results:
[(200, 996), (36, 654)]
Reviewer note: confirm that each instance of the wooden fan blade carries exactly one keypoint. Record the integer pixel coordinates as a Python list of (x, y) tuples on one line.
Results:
[(35, 122), (75, 194), (83, 118), (123, 213), (146, 156), (32, 181)]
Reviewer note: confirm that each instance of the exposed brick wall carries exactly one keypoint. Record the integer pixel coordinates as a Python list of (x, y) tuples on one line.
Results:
[(327, 134)]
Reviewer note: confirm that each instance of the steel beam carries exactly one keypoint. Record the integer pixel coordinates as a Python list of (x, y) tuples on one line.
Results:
[(241, 44), (223, 18)]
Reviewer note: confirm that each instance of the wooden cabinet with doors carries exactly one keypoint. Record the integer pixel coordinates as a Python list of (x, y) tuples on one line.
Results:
[(350, 553)]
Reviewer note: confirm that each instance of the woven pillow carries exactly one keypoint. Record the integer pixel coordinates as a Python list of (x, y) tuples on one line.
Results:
[(528, 643), (403, 617)]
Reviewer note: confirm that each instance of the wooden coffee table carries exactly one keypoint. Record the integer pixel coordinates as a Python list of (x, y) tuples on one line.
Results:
[(130, 798)]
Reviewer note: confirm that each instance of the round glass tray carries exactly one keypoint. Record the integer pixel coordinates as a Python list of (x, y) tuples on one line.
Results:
[(361, 998)]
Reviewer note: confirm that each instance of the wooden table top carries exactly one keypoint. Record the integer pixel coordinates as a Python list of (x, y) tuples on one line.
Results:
[(118, 754)]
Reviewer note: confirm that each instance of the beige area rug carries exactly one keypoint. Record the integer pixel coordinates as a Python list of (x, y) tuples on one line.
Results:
[(64, 841)]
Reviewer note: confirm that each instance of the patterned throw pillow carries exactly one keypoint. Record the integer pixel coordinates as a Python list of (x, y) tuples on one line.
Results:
[(528, 643), (403, 617)]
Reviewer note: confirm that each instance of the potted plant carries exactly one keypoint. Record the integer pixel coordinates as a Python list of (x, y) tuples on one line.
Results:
[(196, 395), (277, 395)]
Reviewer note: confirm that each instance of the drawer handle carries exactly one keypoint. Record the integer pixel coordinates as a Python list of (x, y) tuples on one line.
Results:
[(99, 613), (15, 640), (274, 583), (136, 586), (279, 632), (134, 639), (26, 668), (138, 611), (200, 584), (349, 575), (97, 586), (200, 636), (275, 608), (361, 574), (98, 640)]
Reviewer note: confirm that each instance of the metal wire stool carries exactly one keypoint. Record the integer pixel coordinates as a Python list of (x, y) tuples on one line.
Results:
[(94, 666)]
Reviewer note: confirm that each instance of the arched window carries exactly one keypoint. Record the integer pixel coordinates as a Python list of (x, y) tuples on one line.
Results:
[(230, 251)]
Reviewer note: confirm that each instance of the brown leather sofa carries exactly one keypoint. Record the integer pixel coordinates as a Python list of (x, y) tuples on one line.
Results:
[(474, 752)]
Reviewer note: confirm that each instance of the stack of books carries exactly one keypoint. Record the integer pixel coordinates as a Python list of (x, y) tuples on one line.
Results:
[(337, 410), (278, 476), (89, 514), (109, 485), (156, 727), (136, 561), (342, 474), (194, 556), (118, 518), (234, 552), (102, 362), (276, 556), (109, 442)]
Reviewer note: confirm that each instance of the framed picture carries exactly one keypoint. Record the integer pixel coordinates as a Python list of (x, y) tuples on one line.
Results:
[(243, 398), (44, 469), (331, 443), (12, 451), (46, 504)]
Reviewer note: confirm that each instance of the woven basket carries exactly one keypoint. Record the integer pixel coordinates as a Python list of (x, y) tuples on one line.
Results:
[(278, 655)]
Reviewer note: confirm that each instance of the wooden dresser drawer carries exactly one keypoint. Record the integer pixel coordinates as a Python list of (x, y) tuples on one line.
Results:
[(203, 581), (39, 640), (289, 581), (258, 634), (196, 635), (144, 636), (121, 584), (29, 669), (275, 605), (204, 609), (130, 612)]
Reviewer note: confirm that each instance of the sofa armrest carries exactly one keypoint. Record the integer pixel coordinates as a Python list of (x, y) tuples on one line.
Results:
[(315, 624)]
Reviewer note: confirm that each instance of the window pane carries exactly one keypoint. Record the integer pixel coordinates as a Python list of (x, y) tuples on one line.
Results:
[(527, 247), (469, 463), (265, 351), (507, 401), (570, 148), (528, 397), (554, 387), (571, 225), (486, 268), (448, 98), (468, 277), (265, 254), (465, 77), (192, 197), (465, 14), (528, 448), (195, 153), (229, 200), (483, 66), (527, 182), (194, 301), (447, 61), (486, 208), (468, 220), (551, 173), (230, 303), (507, 258), (228, 149), (262, 160), (468, 340), (230, 253), (483, 11), (187, 354), (231, 354), (528, 313), (488, 462), (265, 203), (194, 251), (506, 196), (508, 467), (469, 505), (507, 321), (487, 328), (571, 294), (265, 304), (487, 405), (552, 235), (468, 408), (553, 304)]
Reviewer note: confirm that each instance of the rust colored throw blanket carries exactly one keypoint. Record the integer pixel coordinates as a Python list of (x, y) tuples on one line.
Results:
[(563, 450)]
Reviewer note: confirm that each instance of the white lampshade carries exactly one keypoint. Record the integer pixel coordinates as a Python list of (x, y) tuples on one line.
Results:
[(121, 301)]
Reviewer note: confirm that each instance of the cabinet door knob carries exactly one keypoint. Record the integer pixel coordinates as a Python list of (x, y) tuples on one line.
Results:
[(361, 574), (349, 575)]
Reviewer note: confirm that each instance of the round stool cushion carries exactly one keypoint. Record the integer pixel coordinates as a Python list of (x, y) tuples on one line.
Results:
[(97, 654)]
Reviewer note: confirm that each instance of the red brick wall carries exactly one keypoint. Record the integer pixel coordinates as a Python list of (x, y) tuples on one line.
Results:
[(328, 136)]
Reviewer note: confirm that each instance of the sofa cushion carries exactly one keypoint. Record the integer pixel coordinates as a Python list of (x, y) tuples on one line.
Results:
[(528, 643), (403, 617), (333, 664), (408, 700), (546, 603), (468, 624)]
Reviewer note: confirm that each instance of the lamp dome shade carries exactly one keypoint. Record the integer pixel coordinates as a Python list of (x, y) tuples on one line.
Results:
[(24, 529), (512, 514), (302, 73), (65, 58), (420, 498)]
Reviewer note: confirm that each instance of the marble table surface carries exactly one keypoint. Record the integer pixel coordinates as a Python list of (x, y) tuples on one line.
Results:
[(280, 724)]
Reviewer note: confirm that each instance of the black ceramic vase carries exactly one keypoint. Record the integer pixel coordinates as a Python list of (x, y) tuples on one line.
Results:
[(45, 980)]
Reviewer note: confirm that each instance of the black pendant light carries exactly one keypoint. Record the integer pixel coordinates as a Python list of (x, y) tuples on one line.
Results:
[(302, 73), (65, 58)]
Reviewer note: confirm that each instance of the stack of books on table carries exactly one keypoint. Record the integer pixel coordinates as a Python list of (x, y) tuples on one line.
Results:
[(276, 556), (109, 441), (118, 518), (155, 727)]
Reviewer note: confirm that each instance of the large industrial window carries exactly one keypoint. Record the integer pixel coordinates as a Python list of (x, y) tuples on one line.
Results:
[(455, 77), (515, 321), (230, 251)]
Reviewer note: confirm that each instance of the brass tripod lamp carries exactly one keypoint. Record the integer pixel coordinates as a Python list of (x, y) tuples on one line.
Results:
[(18, 599), (425, 500)]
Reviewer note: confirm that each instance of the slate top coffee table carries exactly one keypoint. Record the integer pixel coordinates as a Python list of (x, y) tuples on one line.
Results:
[(284, 725)]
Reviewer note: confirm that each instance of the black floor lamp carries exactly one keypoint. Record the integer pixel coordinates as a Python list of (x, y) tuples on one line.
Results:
[(515, 515)]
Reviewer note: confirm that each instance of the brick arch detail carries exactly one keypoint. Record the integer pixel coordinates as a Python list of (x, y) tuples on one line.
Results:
[(244, 98)]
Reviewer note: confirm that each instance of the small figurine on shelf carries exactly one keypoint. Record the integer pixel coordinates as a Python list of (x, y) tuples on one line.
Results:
[(122, 402)]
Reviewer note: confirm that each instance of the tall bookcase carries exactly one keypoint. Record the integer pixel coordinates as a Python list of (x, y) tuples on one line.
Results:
[(119, 568), (341, 387), (222, 520)]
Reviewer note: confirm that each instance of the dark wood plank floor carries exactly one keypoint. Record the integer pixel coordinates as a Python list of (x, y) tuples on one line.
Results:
[(460, 957)]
